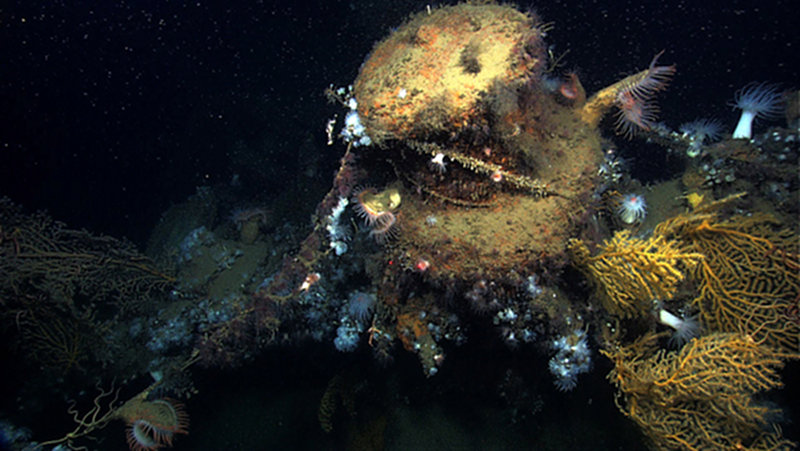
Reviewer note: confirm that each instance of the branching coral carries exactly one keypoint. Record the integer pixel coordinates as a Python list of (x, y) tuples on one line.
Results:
[(629, 273), (700, 397), (749, 279), (746, 268), (746, 273), (340, 389), (61, 343), (40, 253), (62, 288)]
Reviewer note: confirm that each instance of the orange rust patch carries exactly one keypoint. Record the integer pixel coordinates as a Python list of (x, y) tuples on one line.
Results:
[(410, 328)]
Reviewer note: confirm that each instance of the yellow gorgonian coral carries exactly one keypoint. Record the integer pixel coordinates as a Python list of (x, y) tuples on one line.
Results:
[(702, 396), (629, 273)]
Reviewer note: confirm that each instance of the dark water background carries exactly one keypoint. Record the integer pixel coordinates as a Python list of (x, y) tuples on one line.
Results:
[(111, 111)]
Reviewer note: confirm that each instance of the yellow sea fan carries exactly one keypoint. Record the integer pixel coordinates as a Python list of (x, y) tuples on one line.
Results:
[(629, 273)]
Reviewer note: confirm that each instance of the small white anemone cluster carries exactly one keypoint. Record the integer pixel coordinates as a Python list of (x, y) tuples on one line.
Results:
[(532, 286), (573, 357), (347, 335), (354, 131), (632, 209), (700, 132), (337, 233), (612, 168)]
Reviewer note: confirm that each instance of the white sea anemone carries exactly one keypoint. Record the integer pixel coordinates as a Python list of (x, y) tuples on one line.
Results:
[(438, 164), (632, 208), (704, 130), (756, 100), (699, 132), (360, 306), (685, 328)]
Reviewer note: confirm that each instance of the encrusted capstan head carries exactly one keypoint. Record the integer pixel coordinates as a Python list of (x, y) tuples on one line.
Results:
[(430, 76)]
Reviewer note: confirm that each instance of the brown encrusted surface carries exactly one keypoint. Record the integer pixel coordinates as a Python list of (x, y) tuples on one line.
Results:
[(520, 163), (516, 231), (425, 58), (466, 241)]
